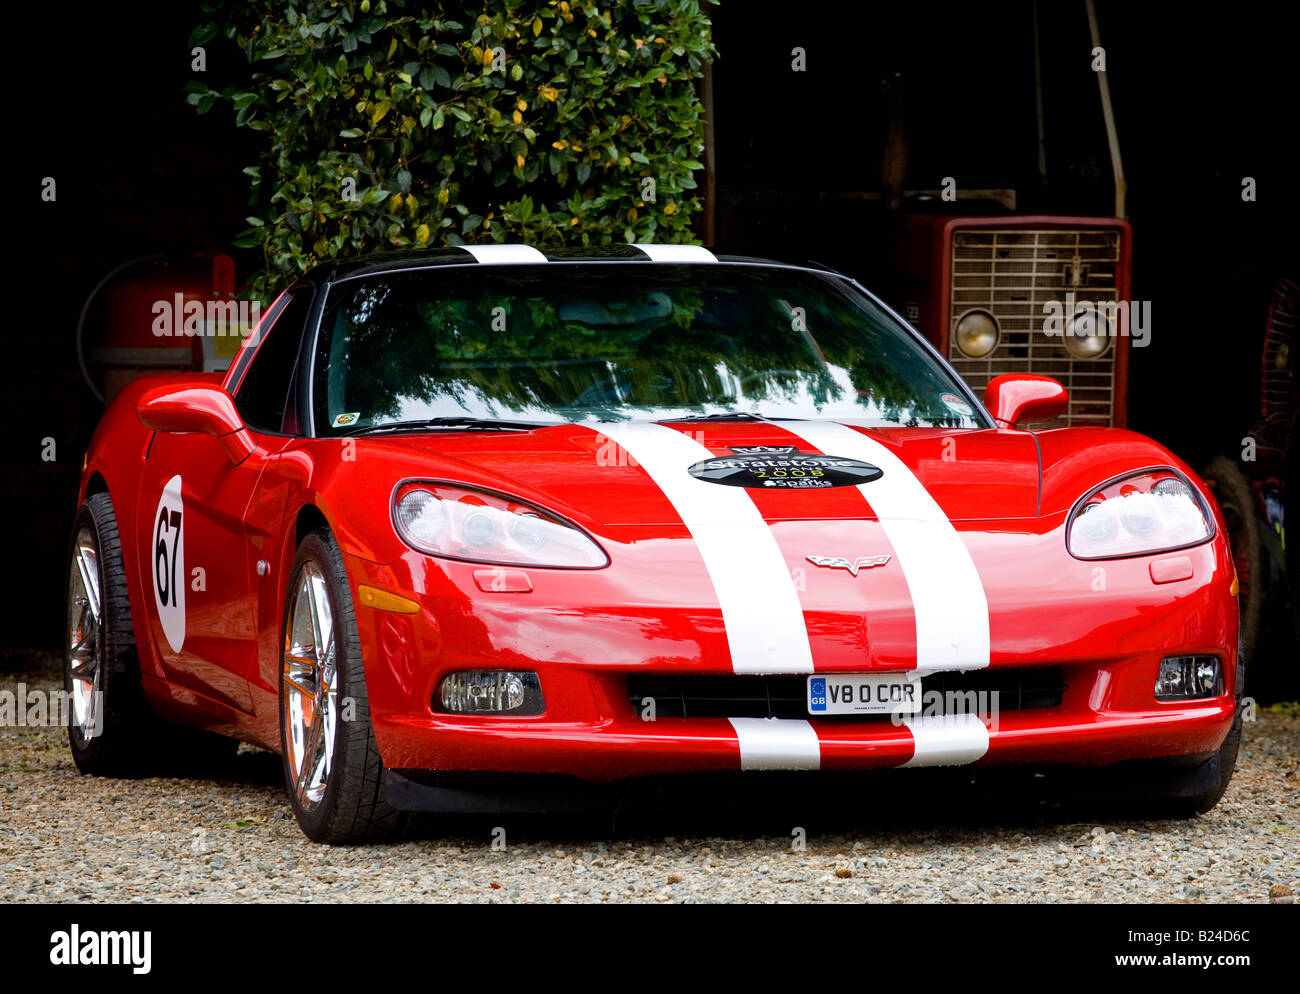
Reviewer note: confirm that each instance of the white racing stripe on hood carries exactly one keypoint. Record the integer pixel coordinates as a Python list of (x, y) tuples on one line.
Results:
[(777, 744), (947, 740), (760, 607), (676, 253), (503, 254), (952, 612)]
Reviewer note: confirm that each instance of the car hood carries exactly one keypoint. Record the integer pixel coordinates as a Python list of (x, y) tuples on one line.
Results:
[(597, 479)]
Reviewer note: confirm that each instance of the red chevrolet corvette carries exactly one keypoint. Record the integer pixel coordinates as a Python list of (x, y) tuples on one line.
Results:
[(622, 513)]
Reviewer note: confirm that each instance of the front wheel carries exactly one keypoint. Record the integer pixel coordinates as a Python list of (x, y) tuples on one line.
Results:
[(108, 718), (1232, 491), (332, 770), (1197, 790), (1180, 790)]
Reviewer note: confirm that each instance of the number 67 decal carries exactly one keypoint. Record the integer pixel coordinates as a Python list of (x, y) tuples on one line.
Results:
[(167, 556)]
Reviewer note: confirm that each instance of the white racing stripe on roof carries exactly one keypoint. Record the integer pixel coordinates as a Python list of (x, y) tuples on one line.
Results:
[(503, 254), (947, 740), (777, 744), (677, 253), (952, 611), (760, 607)]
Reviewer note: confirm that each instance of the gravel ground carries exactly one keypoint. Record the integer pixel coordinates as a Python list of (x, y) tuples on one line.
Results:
[(66, 838)]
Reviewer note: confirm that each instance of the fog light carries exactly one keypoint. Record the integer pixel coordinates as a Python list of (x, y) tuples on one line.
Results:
[(1186, 677), (490, 692)]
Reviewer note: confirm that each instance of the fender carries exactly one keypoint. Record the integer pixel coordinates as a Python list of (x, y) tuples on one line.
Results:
[(1078, 460)]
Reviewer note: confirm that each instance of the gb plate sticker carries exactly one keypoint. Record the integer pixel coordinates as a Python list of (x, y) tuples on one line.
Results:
[(168, 557)]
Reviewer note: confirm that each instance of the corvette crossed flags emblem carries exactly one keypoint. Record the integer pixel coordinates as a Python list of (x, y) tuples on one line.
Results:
[(852, 565)]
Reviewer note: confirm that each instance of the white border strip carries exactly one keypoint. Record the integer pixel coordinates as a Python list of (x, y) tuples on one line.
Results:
[(777, 744), (947, 740), (677, 253), (761, 611), (497, 255), (952, 611)]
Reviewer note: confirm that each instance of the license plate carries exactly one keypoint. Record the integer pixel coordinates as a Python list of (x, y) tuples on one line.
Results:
[(864, 693)]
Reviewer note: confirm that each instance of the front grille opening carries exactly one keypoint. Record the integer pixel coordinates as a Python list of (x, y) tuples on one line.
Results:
[(693, 696)]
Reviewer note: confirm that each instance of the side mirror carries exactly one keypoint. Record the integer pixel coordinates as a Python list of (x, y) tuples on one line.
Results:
[(1024, 398), (200, 408)]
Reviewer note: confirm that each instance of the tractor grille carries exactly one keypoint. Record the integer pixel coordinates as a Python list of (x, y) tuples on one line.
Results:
[(1018, 689), (1012, 274)]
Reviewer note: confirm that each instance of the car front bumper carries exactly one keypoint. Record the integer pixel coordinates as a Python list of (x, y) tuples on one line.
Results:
[(585, 657)]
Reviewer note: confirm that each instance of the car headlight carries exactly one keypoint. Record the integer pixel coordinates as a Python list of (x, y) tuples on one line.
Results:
[(1148, 512), (1087, 336), (485, 527), (977, 334)]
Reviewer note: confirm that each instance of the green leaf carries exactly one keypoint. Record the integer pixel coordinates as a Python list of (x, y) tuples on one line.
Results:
[(203, 34), (312, 76)]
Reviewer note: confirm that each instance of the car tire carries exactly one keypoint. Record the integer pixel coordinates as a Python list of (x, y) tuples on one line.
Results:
[(1232, 491), (109, 720), (332, 769), (1183, 791)]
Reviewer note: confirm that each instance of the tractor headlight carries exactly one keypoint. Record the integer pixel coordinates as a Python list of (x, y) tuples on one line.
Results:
[(977, 334), (1087, 336)]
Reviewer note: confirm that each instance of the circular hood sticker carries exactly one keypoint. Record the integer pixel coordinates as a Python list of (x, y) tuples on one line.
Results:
[(785, 468)]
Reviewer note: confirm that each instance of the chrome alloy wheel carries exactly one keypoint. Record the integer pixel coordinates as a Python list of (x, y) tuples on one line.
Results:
[(85, 642), (310, 695)]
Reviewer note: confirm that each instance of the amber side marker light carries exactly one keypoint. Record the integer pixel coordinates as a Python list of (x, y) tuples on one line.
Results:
[(1235, 585), (383, 600)]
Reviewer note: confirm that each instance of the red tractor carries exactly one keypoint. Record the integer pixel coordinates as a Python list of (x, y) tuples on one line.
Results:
[(983, 290), (1250, 486)]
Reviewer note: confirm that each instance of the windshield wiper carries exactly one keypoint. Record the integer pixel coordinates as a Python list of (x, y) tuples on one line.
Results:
[(727, 416), (455, 422)]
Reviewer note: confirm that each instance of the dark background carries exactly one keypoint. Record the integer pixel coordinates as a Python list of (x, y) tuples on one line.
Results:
[(1203, 97)]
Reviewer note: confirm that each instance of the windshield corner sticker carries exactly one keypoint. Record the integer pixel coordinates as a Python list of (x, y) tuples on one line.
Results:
[(783, 468), (343, 420), (957, 405), (167, 554)]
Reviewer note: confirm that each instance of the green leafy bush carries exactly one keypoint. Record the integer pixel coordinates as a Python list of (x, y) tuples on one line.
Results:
[(398, 124)]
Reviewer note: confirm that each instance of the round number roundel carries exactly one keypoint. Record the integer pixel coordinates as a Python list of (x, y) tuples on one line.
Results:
[(167, 563)]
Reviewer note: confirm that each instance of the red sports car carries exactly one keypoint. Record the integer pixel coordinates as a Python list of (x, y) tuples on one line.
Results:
[(623, 513)]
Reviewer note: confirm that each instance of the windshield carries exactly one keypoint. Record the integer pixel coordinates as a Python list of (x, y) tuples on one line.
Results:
[(561, 343)]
